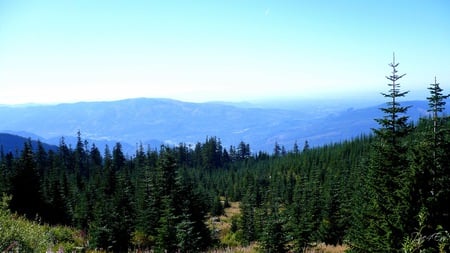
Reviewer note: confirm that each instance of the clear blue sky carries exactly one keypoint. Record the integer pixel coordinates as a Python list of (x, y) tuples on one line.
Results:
[(84, 50)]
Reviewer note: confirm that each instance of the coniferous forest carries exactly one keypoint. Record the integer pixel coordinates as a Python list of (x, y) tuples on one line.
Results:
[(383, 192)]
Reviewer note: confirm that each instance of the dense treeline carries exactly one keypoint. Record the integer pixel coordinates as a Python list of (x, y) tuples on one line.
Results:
[(386, 192), (151, 200)]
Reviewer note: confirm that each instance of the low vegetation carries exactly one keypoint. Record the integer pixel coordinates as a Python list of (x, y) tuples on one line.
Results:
[(18, 234)]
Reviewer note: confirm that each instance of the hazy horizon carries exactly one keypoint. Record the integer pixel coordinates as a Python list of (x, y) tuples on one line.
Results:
[(329, 103)]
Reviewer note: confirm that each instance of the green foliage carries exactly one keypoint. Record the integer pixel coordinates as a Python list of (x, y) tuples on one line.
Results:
[(386, 210), (419, 241), (416, 241), (248, 226), (273, 237), (188, 240), (18, 233), (232, 239), (217, 207)]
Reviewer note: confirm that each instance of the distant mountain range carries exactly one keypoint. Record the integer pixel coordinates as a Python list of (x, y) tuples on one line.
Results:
[(14, 144), (152, 122)]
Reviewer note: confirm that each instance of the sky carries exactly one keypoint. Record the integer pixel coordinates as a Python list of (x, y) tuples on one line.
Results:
[(236, 50)]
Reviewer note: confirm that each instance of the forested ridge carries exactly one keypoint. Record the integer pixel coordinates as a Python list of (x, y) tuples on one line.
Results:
[(383, 192)]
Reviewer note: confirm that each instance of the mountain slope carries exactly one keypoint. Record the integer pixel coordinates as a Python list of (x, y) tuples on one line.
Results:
[(14, 143), (155, 121)]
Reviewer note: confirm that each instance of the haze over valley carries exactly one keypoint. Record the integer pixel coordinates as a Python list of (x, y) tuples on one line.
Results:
[(153, 122)]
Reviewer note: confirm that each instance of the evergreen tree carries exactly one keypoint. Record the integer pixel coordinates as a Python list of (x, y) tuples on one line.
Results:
[(6, 172), (81, 158), (166, 239), (118, 157), (436, 103), (248, 218), (430, 165), (296, 149), (188, 239), (191, 209), (277, 150), (217, 207), (100, 227), (147, 211), (393, 125), (301, 220), (273, 236), (388, 212), (123, 212), (147, 214), (95, 159), (440, 213), (243, 151), (55, 190), (212, 153), (306, 146), (26, 194)]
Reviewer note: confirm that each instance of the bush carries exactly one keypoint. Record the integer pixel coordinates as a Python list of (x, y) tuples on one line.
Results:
[(17, 232)]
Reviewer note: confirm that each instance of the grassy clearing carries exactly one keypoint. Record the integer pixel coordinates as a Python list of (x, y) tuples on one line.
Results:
[(230, 240), (239, 249), (322, 248)]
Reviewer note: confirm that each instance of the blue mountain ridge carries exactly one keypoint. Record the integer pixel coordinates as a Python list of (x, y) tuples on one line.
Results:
[(11, 143), (152, 122)]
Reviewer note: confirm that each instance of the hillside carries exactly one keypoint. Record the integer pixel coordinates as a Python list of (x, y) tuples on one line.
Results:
[(14, 143), (156, 121)]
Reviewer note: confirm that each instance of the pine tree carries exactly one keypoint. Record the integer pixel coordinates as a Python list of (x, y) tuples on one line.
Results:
[(248, 218), (191, 209), (393, 125), (146, 203), (81, 158), (387, 193), (306, 146), (301, 220), (296, 149), (166, 239), (26, 194), (277, 150), (273, 238), (100, 227), (188, 239), (217, 208), (124, 213), (243, 151), (438, 193), (436, 103)]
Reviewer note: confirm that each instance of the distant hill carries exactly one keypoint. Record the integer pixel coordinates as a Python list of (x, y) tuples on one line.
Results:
[(14, 144), (152, 122)]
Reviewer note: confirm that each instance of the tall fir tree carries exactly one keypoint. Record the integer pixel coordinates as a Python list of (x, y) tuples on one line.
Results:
[(438, 194), (26, 192), (273, 238), (247, 221), (387, 209), (436, 103)]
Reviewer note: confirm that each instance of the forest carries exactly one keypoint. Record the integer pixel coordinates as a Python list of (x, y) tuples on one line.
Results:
[(383, 192)]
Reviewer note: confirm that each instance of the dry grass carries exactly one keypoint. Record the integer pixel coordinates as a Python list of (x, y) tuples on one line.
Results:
[(240, 249), (222, 224), (234, 209), (230, 212), (322, 248)]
